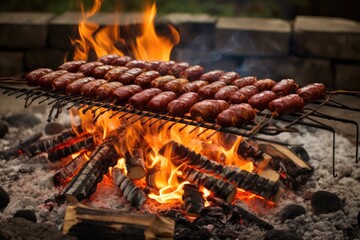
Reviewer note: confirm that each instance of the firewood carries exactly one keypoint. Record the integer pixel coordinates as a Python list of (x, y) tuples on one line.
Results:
[(293, 170), (220, 188), (243, 179), (90, 223), (193, 200), (131, 192), (47, 144), (249, 150), (84, 183), (67, 150), (65, 174), (20, 147), (135, 164)]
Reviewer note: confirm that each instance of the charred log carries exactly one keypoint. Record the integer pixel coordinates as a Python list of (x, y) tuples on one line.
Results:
[(90, 223), (65, 174), (58, 154), (293, 170), (131, 192), (85, 182), (20, 147), (46, 145), (193, 200), (135, 164), (249, 150), (243, 179), (220, 188)]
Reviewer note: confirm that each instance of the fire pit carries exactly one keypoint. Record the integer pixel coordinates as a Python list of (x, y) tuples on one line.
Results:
[(217, 170)]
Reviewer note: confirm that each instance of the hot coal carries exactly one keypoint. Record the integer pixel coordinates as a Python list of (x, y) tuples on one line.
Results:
[(325, 202), (4, 198), (291, 212), (26, 214), (4, 128), (281, 235), (53, 128), (22, 119)]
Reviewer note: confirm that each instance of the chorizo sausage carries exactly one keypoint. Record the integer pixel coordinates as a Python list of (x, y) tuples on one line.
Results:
[(160, 81), (229, 77), (145, 78), (212, 76), (208, 110), (312, 92), (226, 92), (193, 72), (60, 83), (114, 74), (284, 87), (244, 81), (129, 76), (236, 115), (105, 91), (108, 59), (33, 77), (100, 71), (122, 94), (193, 86), (261, 100), (286, 105), (243, 94), (208, 91), (46, 80), (160, 102), (164, 67), (74, 88), (178, 68), (139, 100), (72, 66), (89, 89), (121, 61), (175, 85), (182, 105), (264, 84), (88, 68)]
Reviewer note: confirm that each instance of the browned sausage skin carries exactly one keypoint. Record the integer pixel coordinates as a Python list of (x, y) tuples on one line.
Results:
[(192, 73), (89, 89), (108, 59), (244, 81), (261, 100), (312, 92), (164, 67), (193, 86), (284, 87), (138, 64), (229, 77), (129, 76), (236, 115), (139, 100), (87, 68), (264, 84), (33, 77), (243, 94), (178, 68), (175, 85), (160, 102), (161, 81), (226, 92), (182, 105), (105, 91), (46, 80), (286, 105), (212, 76), (74, 88), (114, 74), (121, 61), (207, 110), (100, 71), (122, 94), (208, 91), (60, 83), (72, 66), (145, 78)]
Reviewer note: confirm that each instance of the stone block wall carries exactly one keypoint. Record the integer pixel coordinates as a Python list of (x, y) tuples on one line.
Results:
[(308, 49)]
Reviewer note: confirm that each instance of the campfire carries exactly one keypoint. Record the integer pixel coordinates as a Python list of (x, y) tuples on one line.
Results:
[(168, 134)]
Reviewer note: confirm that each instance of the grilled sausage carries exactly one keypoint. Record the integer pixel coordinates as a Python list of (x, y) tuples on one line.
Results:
[(244, 81), (208, 110), (139, 100), (100, 71), (114, 74), (145, 78), (108, 59), (261, 100), (72, 66), (122, 94), (312, 92), (243, 95), (284, 87), (60, 83), (193, 86), (138, 64), (192, 73), (286, 105), (160, 81), (129, 76), (182, 105), (33, 77), (208, 91), (164, 67), (226, 92), (175, 85), (153, 65), (46, 80), (160, 102), (89, 89), (236, 115), (264, 84), (212, 76), (229, 77), (74, 88), (105, 91), (121, 61), (88, 68), (178, 68)]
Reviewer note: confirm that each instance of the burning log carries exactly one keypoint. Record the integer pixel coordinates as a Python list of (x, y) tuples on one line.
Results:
[(58, 154), (64, 175), (84, 183), (45, 145), (193, 200), (249, 150), (219, 187), (293, 170), (135, 164), (243, 179), (20, 147), (131, 192), (90, 223)]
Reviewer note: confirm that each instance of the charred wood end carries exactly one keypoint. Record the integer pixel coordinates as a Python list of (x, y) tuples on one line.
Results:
[(135, 164), (85, 182), (131, 192), (193, 200), (65, 174)]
